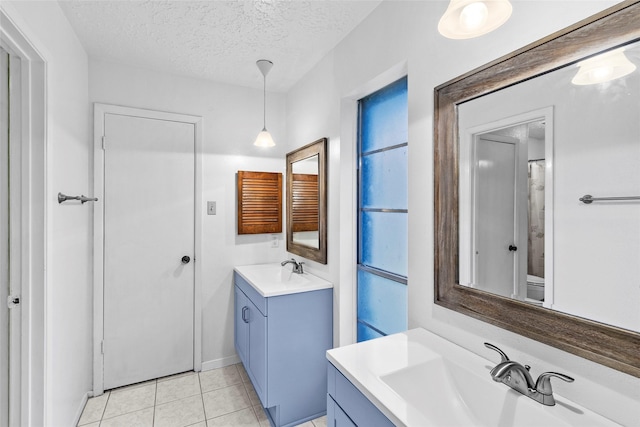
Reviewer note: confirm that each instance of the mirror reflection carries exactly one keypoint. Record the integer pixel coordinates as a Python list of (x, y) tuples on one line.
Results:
[(507, 203), (305, 202), (528, 154)]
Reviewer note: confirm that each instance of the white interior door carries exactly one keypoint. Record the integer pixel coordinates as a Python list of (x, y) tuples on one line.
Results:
[(10, 243), (494, 211), (148, 229), (4, 242)]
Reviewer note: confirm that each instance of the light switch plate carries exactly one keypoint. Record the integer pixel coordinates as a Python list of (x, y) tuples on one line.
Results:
[(211, 208)]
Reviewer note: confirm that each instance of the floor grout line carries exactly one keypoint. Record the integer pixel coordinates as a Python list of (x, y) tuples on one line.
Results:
[(204, 410), (246, 387), (155, 403)]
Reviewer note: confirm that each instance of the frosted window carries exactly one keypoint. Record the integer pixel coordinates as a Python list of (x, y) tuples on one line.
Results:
[(384, 241), (384, 118), (366, 333), (382, 303), (382, 217), (384, 179)]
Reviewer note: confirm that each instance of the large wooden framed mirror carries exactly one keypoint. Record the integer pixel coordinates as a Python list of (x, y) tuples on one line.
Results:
[(307, 201), (536, 112)]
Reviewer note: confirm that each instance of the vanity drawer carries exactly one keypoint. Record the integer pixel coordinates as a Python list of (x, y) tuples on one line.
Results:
[(355, 405), (258, 300)]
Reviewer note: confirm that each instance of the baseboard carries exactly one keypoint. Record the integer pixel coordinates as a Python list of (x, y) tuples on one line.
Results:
[(83, 403), (220, 363)]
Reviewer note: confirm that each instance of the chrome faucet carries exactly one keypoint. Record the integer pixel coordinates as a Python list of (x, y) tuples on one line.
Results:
[(517, 377), (297, 266)]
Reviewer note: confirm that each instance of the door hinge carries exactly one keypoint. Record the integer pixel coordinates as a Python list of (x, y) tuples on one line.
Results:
[(104, 139), (13, 301)]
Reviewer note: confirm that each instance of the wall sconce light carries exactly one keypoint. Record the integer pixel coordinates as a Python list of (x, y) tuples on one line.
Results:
[(465, 19), (264, 138), (603, 68)]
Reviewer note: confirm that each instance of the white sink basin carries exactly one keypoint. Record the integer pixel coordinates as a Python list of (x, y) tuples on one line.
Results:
[(419, 379), (274, 279), (454, 396)]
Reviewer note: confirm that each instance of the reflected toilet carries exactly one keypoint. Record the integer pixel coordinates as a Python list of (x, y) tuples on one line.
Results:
[(535, 288)]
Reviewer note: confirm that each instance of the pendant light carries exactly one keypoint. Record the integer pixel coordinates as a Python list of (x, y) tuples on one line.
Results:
[(264, 138), (465, 19), (603, 68)]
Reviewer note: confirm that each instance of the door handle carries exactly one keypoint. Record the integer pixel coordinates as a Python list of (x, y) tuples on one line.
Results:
[(513, 248), (244, 311), (186, 259)]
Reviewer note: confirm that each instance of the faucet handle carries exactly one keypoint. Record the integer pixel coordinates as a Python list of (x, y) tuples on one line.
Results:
[(543, 384), (503, 355)]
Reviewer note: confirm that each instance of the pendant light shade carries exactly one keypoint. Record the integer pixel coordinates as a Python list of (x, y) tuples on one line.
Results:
[(603, 68), (465, 19), (264, 138)]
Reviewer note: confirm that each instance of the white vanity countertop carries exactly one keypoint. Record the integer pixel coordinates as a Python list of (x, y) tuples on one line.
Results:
[(364, 363), (273, 279), (456, 391)]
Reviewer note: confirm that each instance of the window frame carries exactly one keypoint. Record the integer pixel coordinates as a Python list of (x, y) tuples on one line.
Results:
[(360, 209)]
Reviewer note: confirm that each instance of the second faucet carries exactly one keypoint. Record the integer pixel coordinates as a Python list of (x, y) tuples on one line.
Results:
[(297, 266)]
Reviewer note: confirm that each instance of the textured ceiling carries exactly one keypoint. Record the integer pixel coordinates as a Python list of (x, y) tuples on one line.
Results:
[(216, 40)]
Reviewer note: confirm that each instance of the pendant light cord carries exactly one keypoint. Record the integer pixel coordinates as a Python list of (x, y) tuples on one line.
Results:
[(264, 102)]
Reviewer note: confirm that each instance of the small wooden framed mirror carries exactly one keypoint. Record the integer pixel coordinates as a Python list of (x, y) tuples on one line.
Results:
[(307, 201)]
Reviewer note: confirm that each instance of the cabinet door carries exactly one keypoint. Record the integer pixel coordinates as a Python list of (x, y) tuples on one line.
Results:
[(258, 351), (336, 416), (241, 325)]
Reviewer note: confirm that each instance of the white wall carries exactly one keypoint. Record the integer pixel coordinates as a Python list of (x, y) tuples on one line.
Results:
[(232, 117), (405, 33), (67, 292)]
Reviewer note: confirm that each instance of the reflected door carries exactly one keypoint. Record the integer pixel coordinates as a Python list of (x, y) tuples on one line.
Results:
[(495, 247)]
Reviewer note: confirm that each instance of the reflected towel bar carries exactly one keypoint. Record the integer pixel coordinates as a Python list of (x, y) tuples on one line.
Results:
[(83, 199), (588, 199)]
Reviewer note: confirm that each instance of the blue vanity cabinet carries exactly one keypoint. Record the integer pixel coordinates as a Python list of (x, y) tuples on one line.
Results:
[(282, 342), (347, 406), (250, 340)]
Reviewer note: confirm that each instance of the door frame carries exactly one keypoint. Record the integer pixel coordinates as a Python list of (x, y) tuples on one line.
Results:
[(466, 139), (100, 111), (29, 201)]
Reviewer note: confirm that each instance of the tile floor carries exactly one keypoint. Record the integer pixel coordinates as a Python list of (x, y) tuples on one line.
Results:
[(220, 397)]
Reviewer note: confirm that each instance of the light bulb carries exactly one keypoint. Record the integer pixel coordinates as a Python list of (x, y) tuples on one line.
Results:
[(465, 19), (264, 139), (603, 68), (473, 16), (601, 74)]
